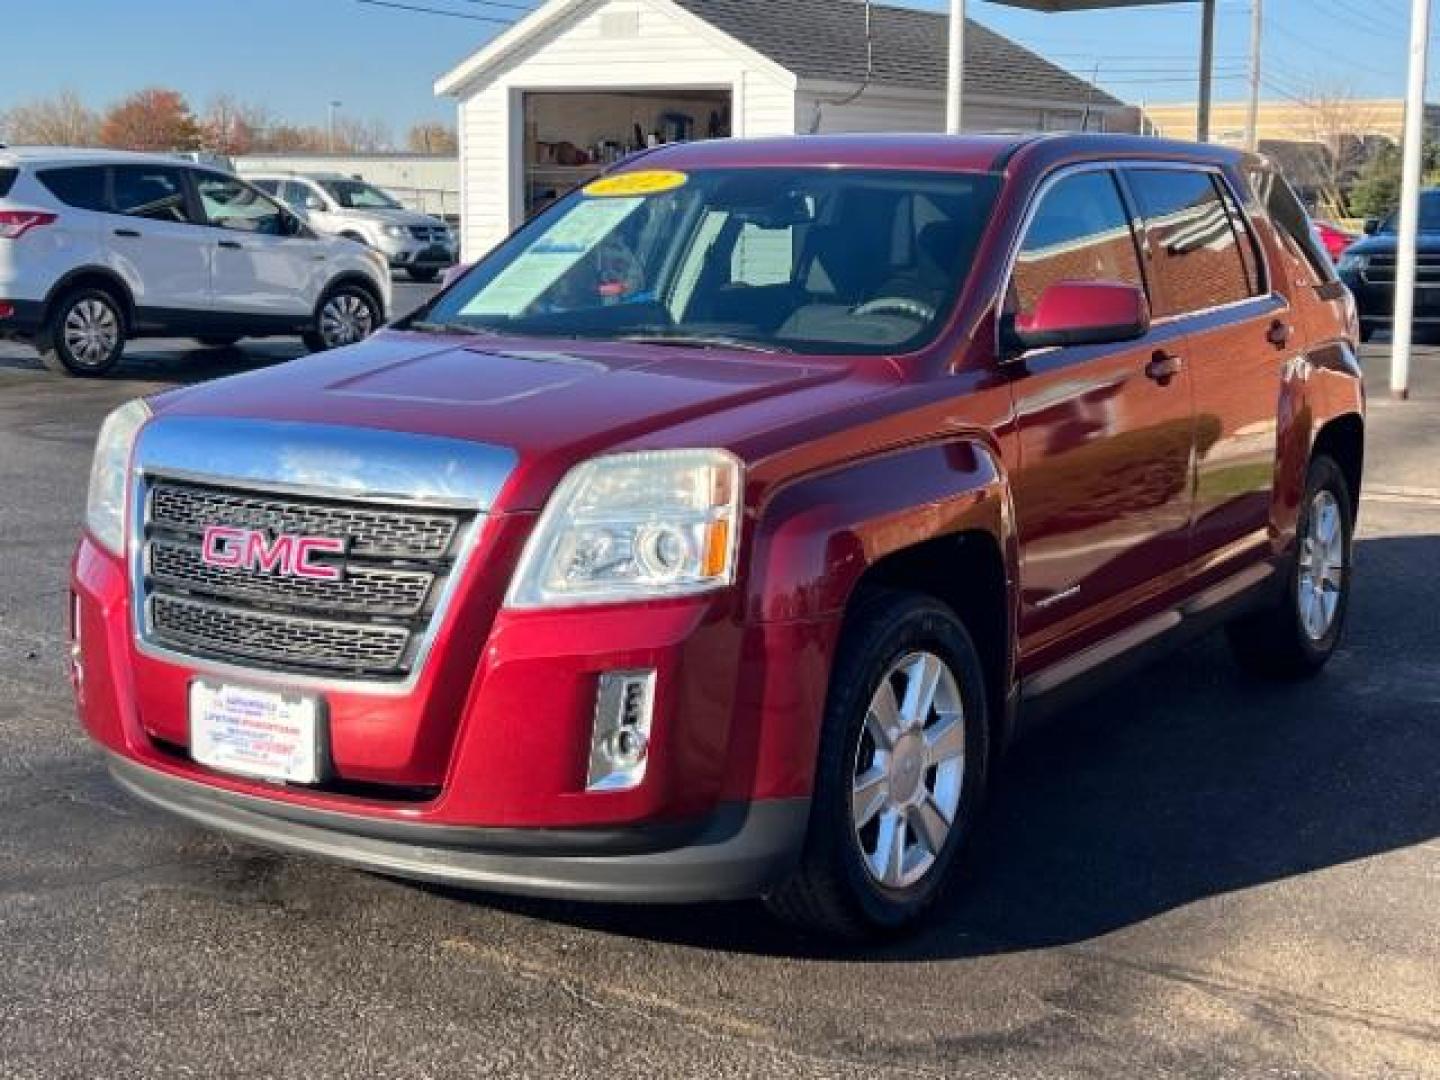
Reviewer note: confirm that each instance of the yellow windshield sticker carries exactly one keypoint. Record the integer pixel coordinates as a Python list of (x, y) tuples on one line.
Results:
[(650, 182)]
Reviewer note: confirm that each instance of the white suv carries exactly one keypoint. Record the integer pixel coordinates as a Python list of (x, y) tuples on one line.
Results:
[(417, 243), (100, 246)]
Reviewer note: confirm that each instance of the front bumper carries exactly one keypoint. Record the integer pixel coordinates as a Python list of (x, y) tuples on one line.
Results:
[(739, 851), (408, 252)]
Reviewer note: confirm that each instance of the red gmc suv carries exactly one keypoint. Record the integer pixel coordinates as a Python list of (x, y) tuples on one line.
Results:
[(714, 534)]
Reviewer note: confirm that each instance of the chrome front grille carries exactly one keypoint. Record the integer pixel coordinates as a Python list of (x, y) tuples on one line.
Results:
[(368, 623), (435, 234), (1381, 269)]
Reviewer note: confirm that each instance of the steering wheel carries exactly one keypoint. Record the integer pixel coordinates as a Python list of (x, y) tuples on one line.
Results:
[(902, 304)]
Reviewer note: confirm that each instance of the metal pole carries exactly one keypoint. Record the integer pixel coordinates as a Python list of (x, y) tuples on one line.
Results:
[(330, 142), (1207, 71), (956, 82), (1257, 31), (1410, 201)]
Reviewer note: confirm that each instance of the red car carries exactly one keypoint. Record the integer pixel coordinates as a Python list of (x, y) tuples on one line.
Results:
[(713, 536), (1334, 239)]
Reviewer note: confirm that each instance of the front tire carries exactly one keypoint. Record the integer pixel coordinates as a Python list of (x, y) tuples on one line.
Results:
[(84, 336), (900, 775), (1295, 637), (347, 314)]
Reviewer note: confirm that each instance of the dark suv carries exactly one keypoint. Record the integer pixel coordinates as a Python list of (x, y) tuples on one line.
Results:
[(713, 536), (1368, 268)]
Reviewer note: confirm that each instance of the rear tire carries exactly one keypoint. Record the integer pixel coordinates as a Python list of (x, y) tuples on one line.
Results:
[(1296, 636), (895, 800), (84, 335), (347, 314)]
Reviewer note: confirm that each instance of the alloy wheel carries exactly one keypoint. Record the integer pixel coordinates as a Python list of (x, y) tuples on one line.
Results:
[(909, 770), (1322, 566)]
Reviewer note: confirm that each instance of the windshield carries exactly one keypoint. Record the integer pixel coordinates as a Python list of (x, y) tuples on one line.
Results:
[(802, 260), (1429, 215), (358, 195)]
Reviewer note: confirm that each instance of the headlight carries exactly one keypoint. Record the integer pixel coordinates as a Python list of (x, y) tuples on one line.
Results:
[(634, 527), (397, 231), (1352, 264), (110, 474)]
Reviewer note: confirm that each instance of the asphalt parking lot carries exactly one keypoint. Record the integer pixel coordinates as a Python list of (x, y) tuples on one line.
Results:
[(1192, 875)]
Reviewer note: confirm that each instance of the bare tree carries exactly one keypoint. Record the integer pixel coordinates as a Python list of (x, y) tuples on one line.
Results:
[(231, 126), (362, 136), (62, 120), (1351, 132), (432, 138)]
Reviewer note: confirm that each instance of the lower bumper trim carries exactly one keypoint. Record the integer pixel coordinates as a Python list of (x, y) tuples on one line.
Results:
[(739, 852)]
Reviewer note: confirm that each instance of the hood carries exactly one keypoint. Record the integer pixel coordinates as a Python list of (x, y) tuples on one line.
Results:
[(398, 216), (1386, 243), (553, 402)]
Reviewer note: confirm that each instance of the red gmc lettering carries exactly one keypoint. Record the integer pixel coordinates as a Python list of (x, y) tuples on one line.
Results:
[(230, 548)]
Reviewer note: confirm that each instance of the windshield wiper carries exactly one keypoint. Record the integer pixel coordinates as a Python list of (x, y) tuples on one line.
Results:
[(701, 341), (454, 328)]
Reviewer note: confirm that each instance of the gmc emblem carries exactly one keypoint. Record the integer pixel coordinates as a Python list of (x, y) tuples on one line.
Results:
[(229, 548)]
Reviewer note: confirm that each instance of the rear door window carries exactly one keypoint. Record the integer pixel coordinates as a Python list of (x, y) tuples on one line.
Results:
[(1191, 241), (153, 192), (81, 186), (1080, 232), (7, 180)]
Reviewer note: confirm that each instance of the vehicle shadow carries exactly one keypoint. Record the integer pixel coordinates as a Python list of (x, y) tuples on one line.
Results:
[(150, 361), (1184, 782)]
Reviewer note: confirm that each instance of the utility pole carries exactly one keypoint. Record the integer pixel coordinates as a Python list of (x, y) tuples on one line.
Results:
[(1207, 70), (955, 88), (330, 143), (1257, 32), (1410, 178)]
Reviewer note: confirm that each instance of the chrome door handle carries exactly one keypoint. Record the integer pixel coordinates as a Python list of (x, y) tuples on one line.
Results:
[(231, 245), (129, 234), (1279, 333)]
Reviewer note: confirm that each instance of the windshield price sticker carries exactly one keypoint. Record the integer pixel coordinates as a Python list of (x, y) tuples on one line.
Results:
[(650, 182)]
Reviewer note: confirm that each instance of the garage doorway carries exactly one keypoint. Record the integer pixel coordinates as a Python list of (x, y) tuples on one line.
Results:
[(570, 137)]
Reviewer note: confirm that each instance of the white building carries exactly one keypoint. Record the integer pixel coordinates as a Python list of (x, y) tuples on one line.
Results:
[(577, 83)]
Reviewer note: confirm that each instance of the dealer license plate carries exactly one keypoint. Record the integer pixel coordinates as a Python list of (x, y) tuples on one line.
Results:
[(257, 733)]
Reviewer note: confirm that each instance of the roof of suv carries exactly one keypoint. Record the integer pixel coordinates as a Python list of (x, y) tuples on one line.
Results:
[(67, 155), (960, 153)]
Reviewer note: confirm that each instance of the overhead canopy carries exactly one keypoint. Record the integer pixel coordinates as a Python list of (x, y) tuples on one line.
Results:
[(1207, 39)]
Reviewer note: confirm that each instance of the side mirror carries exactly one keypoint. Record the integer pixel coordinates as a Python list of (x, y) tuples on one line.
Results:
[(1084, 313), (454, 274), (1372, 226)]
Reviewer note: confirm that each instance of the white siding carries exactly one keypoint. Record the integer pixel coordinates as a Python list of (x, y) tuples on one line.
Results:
[(881, 109), (609, 45)]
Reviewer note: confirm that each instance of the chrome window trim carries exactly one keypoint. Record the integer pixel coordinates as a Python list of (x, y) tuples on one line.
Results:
[(1115, 166), (379, 467)]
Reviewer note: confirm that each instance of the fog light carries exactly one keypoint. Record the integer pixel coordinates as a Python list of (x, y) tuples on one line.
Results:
[(620, 738)]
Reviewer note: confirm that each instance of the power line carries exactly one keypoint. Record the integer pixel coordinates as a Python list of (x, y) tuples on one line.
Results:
[(494, 19)]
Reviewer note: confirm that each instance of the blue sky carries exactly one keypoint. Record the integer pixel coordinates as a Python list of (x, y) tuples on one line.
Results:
[(296, 55)]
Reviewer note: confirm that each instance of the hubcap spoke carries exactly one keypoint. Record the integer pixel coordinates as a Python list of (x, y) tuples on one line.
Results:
[(883, 719), (945, 741), (869, 795), (922, 678), (931, 824), (888, 861), (1321, 566)]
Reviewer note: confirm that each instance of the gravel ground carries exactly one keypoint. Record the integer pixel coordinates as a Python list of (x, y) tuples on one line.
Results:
[(1191, 875)]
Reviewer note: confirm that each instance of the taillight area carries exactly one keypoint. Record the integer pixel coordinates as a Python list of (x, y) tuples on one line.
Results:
[(16, 223)]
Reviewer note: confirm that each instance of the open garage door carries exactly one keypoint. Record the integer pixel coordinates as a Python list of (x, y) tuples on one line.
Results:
[(571, 137)]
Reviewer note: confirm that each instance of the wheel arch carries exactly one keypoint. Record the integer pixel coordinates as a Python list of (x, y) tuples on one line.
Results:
[(1342, 438), (97, 277)]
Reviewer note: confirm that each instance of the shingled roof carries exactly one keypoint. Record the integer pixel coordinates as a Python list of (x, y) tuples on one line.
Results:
[(825, 40)]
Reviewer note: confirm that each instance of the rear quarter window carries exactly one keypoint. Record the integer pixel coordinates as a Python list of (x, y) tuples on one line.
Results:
[(80, 186), (1191, 241), (7, 180), (1292, 223)]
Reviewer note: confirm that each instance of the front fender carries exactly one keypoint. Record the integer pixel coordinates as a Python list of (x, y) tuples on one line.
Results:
[(816, 537)]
